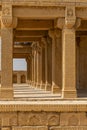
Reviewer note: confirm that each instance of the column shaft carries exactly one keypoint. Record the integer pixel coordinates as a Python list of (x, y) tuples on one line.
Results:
[(7, 63), (55, 87), (69, 64), (28, 71)]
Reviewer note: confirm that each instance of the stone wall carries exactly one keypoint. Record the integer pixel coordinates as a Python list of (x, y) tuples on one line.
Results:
[(18, 77), (18, 117)]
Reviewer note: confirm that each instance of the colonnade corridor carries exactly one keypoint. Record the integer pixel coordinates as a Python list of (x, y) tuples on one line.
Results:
[(54, 46)]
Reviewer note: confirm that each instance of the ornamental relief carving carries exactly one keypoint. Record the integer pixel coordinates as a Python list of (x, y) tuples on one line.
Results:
[(38, 119), (6, 9), (7, 21), (70, 12), (70, 17), (7, 15), (6, 12)]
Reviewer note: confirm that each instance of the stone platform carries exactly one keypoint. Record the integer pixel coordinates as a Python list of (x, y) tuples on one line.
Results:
[(35, 109), (46, 115)]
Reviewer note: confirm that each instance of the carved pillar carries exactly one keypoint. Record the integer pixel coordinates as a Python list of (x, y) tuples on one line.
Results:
[(32, 68), (28, 70), (49, 60), (58, 57), (47, 70), (55, 87), (69, 53), (7, 52), (43, 68), (69, 63), (38, 65), (35, 64)]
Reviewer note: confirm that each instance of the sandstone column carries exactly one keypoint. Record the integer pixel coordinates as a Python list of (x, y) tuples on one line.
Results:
[(44, 40), (28, 70), (55, 88), (7, 53), (32, 68), (35, 63), (69, 55), (38, 65), (69, 63), (41, 68)]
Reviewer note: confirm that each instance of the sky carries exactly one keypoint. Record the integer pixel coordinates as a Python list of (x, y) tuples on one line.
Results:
[(18, 64)]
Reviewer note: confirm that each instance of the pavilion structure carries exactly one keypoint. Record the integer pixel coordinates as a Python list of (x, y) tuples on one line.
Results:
[(52, 36)]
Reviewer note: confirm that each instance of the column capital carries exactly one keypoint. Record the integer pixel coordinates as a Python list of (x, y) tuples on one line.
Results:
[(70, 21), (7, 14), (36, 47), (70, 16), (7, 18)]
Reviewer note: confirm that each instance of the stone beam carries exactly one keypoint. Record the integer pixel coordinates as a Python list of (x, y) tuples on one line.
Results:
[(28, 33), (20, 55), (47, 3), (24, 50), (81, 12), (81, 33), (26, 39), (35, 24), (38, 12)]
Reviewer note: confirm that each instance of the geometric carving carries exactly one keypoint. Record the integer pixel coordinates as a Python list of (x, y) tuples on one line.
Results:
[(73, 121), (7, 14)]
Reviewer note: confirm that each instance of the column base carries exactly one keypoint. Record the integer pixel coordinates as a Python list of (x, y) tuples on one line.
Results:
[(38, 85), (6, 94), (42, 86), (69, 94), (56, 89), (48, 87)]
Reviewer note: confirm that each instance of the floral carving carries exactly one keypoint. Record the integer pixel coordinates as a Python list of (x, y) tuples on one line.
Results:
[(6, 11)]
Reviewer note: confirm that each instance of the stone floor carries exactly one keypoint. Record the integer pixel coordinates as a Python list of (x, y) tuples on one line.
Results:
[(26, 92)]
